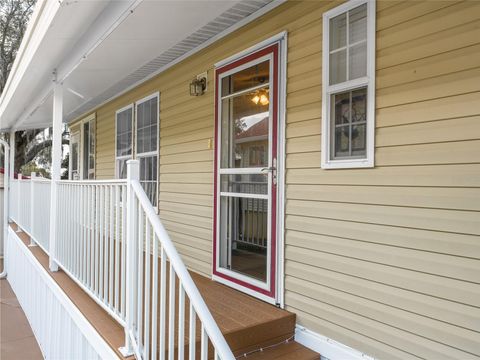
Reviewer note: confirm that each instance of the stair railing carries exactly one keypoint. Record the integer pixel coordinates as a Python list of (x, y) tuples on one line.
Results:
[(162, 299)]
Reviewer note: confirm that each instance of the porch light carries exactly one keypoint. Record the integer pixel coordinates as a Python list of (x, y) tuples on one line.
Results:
[(198, 86)]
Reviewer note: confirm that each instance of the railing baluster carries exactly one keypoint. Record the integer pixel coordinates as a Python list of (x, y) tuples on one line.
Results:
[(181, 320), (154, 296), (204, 344), (171, 314), (140, 284), (111, 243), (117, 248), (163, 290), (124, 250), (147, 295), (192, 333), (97, 233)]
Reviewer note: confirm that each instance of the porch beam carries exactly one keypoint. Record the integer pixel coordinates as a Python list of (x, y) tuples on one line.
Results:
[(56, 168)]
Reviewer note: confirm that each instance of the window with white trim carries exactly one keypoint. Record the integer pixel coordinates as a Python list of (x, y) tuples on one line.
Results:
[(348, 123), (124, 140), (147, 144), (137, 137)]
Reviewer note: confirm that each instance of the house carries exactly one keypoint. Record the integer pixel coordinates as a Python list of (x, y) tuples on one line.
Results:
[(251, 178)]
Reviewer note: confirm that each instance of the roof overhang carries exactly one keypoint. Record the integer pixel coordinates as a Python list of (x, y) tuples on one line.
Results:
[(98, 49)]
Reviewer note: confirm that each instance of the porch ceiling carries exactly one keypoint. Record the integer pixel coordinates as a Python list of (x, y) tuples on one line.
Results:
[(100, 48)]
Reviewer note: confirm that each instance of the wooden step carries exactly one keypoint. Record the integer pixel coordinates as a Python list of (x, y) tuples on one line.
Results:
[(247, 323), (285, 351)]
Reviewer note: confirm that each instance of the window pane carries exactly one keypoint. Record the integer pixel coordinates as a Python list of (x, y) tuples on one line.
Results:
[(338, 31), (124, 132), (341, 108), (359, 105), (338, 67), (245, 183), (253, 76), (148, 177), (86, 142), (244, 235), (357, 62), (348, 124), (342, 136), (245, 129), (358, 140), (357, 24), (147, 126)]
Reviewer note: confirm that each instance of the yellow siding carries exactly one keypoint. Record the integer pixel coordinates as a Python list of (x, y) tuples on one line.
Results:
[(386, 260)]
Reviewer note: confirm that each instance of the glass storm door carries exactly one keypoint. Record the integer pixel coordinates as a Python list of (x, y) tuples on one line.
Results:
[(245, 173)]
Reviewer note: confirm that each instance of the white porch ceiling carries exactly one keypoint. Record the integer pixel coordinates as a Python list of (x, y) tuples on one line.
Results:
[(100, 48)]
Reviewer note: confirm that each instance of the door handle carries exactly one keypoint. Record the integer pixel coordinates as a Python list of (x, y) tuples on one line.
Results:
[(272, 169), (269, 169)]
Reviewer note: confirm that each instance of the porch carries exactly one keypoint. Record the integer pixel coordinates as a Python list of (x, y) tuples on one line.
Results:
[(92, 254)]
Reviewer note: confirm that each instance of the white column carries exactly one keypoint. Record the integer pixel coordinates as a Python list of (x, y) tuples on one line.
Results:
[(33, 175), (6, 196), (56, 168), (133, 174), (12, 168)]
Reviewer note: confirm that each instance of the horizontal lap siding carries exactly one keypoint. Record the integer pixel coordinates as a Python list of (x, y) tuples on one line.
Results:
[(385, 260)]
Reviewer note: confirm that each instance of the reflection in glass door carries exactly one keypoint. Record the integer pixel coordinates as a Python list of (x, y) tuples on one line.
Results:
[(246, 162)]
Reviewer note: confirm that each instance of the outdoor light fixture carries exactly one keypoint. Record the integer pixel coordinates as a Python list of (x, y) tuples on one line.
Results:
[(198, 86)]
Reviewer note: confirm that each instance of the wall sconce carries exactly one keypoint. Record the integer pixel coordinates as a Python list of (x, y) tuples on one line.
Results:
[(198, 85)]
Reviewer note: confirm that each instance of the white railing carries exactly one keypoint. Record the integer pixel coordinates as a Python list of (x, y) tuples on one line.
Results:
[(23, 203), (109, 240), (161, 279), (91, 240), (40, 211), (30, 207)]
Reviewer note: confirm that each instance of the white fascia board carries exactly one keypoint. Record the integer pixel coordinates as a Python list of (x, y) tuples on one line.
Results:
[(38, 26)]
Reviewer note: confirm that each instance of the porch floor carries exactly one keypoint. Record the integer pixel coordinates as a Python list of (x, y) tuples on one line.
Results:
[(17, 341), (248, 324)]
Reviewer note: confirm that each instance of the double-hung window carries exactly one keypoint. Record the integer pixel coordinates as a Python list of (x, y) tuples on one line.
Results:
[(137, 137), (348, 123), (147, 144), (124, 140)]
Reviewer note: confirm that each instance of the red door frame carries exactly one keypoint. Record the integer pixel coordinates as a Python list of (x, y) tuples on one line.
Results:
[(274, 79)]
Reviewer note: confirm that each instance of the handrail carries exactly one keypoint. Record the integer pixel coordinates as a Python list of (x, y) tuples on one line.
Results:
[(91, 182), (201, 309)]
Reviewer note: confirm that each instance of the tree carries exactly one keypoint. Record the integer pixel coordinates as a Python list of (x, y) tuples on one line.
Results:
[(14, 16)]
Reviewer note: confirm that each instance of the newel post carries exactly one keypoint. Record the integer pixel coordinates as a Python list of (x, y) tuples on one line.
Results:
[(33, 175), (131, 207), (56, 168)]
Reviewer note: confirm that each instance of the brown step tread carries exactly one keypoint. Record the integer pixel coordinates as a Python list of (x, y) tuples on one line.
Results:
[(285, 351)]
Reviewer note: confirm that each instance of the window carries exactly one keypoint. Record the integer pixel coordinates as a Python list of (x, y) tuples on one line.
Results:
[(348, 124), (124, 140), (138, 137), (88, 151)]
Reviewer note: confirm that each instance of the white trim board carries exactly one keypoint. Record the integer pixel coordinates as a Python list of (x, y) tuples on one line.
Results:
[(326, 347)]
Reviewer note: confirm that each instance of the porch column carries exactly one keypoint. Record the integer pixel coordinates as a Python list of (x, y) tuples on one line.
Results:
[(133, 174), (56, 168), (12, 170)]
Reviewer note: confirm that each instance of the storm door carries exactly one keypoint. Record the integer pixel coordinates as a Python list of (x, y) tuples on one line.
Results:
[(246, 173)]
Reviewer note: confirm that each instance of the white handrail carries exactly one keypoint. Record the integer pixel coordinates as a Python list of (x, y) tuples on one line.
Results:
[(210, 326)]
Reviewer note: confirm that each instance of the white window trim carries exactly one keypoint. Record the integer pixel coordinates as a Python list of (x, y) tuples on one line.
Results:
[(70, 162), (90, 118), (368, 81), (124, 157), (151, 153)]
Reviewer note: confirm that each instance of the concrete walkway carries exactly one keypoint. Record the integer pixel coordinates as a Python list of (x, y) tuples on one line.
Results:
[(17, 341)]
